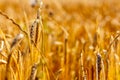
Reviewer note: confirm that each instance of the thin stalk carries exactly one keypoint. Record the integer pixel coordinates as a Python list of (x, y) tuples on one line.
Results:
[(13, 22)]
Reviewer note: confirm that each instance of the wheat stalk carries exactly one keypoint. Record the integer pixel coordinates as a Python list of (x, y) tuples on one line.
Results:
[(13, 22), (98, 66)]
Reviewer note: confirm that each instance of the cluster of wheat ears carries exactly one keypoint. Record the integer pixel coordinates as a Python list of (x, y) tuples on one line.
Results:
[(59, 40)]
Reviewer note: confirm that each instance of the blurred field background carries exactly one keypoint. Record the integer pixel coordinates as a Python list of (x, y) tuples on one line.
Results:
[(59, 39)]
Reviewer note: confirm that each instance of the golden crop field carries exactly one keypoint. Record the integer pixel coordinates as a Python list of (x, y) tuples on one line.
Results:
[(59, 40)]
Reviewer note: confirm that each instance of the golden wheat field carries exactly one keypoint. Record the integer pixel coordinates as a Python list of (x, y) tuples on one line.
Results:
[(59, 40)]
